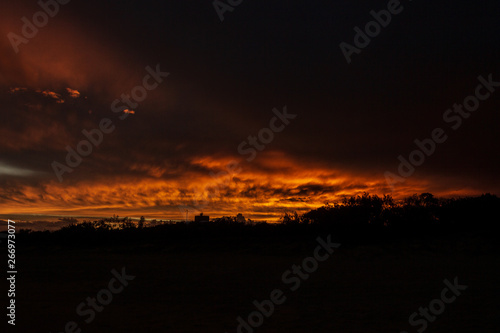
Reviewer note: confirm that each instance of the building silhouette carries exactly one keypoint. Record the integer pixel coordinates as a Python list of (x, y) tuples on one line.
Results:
[(201, 218)]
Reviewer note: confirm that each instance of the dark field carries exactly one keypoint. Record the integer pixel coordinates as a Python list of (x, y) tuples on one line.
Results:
[(358, 289)]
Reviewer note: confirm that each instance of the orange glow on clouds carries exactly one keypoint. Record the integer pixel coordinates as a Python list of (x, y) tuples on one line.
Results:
[(284, 185)]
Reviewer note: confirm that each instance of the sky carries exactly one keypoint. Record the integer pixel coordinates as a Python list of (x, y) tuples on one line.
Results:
[(323, 127)]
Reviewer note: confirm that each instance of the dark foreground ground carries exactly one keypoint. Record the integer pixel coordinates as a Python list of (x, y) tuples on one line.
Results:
[(369, 288)]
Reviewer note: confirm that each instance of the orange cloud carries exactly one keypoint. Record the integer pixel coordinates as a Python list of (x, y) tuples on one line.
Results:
[(285, 185), (73, 93), (52, 94), (17, 89)]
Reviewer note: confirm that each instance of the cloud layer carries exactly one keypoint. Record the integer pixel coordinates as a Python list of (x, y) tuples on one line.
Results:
[(353, 121)]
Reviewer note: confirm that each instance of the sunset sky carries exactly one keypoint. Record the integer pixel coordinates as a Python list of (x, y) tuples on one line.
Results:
[(169, 152)]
